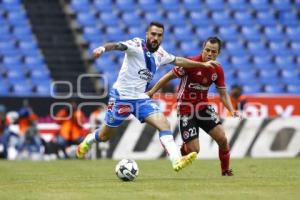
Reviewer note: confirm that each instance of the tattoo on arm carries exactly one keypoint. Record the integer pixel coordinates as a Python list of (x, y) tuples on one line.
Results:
[(115, 46)]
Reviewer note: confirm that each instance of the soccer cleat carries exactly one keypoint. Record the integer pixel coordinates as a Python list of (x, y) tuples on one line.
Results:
[(82, 149), (227, 172), (184, 161)]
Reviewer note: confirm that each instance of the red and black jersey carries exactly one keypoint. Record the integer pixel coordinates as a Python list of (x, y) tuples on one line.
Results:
[(194, 85)]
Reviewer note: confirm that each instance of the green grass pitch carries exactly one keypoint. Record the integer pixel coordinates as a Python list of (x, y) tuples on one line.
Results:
[(74, 179)]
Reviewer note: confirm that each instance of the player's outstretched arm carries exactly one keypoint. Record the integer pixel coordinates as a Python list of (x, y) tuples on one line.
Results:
[(108, 47), (227, 103), (162, 81), (186, 63)]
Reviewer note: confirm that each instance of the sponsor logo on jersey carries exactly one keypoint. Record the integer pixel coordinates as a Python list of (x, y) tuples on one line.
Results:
[(145, 74), (197, 86)]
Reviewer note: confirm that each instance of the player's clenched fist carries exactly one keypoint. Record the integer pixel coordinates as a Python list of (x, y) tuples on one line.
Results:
[(98, 52)]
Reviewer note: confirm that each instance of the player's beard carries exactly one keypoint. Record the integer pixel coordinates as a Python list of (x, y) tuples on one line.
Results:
[(150, 48)]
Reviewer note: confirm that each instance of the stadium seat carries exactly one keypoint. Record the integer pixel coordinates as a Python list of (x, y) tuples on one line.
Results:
[(199, 18), (114, 34), (293, 33), (130, 19), (265, 18), (268, 74), (257, 48), (243, 18), (86, 19), (281, 5), (125, 6), (251, 33), (228, 33), (274, 88), (170, 5), (176, 19), (192, 5), (91, 34), (288, 18), (42, 89), (246, 74), (215, 5), (202, 34), (80, 5), (103, 5), (153, 16), (290, 74), (189, 48), (265, 62), (293, 89), (239, 60), (284, 61), (109, 19), (136, 32), (235, 48), (148, 5), (22, 89), (4, 89), (259, 5), (182, 33), (273, 33), (295, 48), (237, 5), (251, 88), (221, 18), (279, 48)]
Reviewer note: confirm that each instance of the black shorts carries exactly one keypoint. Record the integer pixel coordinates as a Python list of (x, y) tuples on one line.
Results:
[(205, 119)]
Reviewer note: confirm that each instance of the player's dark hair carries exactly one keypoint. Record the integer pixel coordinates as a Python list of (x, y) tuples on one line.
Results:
[(160, 25), (214, 40)]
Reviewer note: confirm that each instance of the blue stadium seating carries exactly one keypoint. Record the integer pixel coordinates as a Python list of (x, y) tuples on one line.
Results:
[(148, 5), (259, 5), (260, 35), (192, 5), (215, 5), (243, 18)]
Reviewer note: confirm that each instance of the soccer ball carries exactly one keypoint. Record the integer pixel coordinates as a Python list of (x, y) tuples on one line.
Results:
[(127, 170)]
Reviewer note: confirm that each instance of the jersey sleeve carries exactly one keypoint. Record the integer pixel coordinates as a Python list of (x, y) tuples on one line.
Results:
[(166, 58), (179, 71), (132, 45), (220, 82)]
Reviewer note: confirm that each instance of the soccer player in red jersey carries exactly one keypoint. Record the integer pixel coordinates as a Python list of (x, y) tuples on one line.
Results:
[(193, 107)]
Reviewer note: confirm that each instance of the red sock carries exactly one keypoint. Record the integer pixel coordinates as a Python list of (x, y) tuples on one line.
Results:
[(224, 156)]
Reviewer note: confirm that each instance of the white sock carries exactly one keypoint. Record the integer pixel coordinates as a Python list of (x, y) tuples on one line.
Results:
[(170, 146), (93, 137), (90, 138)]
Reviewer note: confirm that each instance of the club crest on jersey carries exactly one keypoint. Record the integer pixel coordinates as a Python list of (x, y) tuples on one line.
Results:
[(186, 134), (180, 70), (145, 74), (214, 76)]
